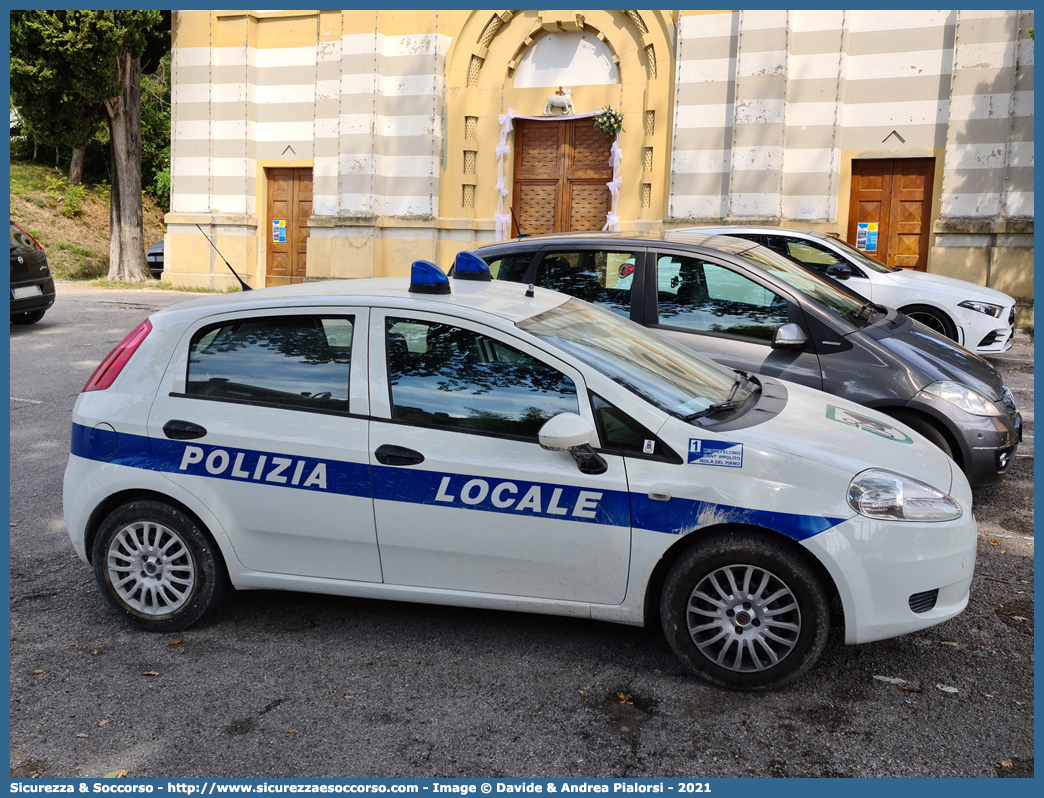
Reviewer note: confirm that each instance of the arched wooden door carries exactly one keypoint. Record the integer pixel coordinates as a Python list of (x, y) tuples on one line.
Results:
[(561, 168)]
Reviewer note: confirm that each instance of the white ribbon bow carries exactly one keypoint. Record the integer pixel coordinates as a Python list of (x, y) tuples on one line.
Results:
[(614, 186), (615, 154), (501, 221), (502, 149), (500, 187), (505, 122), (611, 220)]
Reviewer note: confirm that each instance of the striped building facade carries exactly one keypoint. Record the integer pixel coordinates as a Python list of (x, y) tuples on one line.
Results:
[(379, 129)]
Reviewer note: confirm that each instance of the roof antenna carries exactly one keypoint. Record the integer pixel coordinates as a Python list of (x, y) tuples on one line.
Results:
[(245, 286), (517, 230)]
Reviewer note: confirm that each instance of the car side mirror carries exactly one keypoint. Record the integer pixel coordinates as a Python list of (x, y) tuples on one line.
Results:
[(568, 432), (789, 336), (839, 271)]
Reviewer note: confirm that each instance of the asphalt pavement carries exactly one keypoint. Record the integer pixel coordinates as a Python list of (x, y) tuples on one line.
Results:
[(294, 685)]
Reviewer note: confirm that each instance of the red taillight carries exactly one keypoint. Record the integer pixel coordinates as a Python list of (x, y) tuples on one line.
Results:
[(27, 235), (110, 368), (626, 269)]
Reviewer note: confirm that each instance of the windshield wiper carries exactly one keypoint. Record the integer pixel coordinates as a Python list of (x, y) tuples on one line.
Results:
[(870, 309), (730, 403)]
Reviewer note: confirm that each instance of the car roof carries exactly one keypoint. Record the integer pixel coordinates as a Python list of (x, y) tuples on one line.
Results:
[(690, 237), (504, 300), (761, 229)]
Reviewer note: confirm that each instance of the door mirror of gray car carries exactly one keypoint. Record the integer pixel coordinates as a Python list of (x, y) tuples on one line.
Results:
[(839, 271), (789, 336), (568, 432)]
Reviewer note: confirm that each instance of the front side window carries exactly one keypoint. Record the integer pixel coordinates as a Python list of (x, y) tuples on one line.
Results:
[(597, 276), (842, 304), (445, 376), (622, 433), (810, 253), (696, 295), (298, 362)]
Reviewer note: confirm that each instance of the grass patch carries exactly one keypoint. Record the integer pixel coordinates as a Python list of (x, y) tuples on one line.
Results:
[(29, 178), (77, 263), (47, 187), (77, 250), (157, 285)]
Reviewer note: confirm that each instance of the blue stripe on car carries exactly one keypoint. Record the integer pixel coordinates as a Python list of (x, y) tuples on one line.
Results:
[(433, 488)]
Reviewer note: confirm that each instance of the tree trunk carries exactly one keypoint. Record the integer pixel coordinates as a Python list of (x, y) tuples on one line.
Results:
[(76, 166), (126, 233)]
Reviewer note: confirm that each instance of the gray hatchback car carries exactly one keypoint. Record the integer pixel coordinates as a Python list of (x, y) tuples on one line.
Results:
[(757, 311)]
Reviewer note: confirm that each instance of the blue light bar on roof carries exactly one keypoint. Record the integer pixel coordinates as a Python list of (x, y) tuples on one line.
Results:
[(427, 278), (470, 267)]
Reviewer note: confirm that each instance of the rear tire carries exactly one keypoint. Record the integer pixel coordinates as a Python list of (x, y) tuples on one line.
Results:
[(933, 318), (742, 609), (29, 317), (156, 567)]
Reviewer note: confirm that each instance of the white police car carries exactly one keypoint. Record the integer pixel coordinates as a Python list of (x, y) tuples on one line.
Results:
[(486, 444)]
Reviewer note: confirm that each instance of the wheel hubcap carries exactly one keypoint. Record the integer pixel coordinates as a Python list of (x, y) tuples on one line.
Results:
[(150, 569), (930, 321), (743, 618)]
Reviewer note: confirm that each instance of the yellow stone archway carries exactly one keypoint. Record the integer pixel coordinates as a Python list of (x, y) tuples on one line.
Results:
[(480, 71)]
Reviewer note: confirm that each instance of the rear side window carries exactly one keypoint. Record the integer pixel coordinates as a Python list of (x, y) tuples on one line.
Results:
[(19, 240), (597, 276), (297, 362), (510, 267)]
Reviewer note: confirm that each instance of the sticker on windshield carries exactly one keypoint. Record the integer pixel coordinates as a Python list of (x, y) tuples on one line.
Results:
[(716, 453), (873, 425)]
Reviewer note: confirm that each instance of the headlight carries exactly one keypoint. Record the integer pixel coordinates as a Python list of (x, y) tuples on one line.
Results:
[(891, 497), (967, 399), (982, 307)]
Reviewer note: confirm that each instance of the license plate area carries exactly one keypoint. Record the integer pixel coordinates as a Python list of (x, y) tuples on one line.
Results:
[(26, 291)]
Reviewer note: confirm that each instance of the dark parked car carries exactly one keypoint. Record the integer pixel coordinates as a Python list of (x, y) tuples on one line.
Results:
[(154, 257), (32, 287), (755, 310)]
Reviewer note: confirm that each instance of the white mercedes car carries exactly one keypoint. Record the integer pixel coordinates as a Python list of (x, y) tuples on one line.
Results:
[(978, 318), (488, 444)]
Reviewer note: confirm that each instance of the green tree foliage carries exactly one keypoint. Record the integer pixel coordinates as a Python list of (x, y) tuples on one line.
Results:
[(72, 69), (155, 133)]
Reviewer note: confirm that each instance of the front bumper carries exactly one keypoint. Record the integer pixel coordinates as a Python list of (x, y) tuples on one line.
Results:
[(987, 444), (984, 334), (893, 577)]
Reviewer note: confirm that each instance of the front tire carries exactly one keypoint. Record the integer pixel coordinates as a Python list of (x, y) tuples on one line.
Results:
[(29, 317), (156, 567), (932, 318), (924, 427), (744, 610)]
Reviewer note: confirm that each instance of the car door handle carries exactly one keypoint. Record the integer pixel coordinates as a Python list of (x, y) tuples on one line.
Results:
[(397, 455), (183, 430)]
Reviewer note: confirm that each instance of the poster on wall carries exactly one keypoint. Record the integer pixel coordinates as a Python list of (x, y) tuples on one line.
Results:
[(866, 236), (279, 231)]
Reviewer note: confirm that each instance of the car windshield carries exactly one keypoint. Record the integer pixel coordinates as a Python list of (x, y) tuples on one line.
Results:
[(663, 373), (861, 258), (808, 282)]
